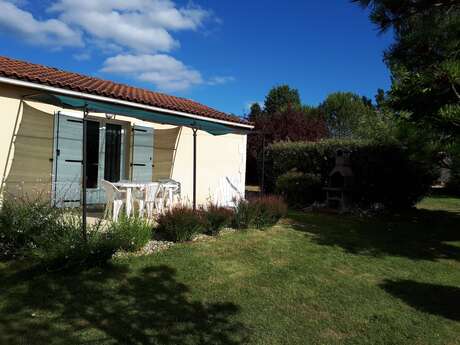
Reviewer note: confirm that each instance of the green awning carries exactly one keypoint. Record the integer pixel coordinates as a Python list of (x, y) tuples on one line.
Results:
[(138, 113)]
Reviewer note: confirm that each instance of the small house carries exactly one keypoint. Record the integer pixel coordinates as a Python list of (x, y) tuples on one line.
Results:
[(131, 134)]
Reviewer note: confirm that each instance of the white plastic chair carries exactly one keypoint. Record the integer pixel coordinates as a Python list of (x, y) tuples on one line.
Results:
[(171, 188), (115, 198), (150, 199), (228, 192)]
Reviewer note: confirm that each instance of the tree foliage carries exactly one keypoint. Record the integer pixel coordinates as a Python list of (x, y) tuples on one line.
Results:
[(283, 118), (280, 98), (348, 115), (424, 60), (254, 112)]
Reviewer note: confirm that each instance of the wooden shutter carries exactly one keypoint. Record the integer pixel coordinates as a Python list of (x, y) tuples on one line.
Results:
[(142, 154), (68, 158)]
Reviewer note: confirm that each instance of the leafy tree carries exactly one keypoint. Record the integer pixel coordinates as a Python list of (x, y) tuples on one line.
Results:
[(424, 60), (280, 98), (292, 124), (254, 112), (347, 114), (283, 118), (380, 98)]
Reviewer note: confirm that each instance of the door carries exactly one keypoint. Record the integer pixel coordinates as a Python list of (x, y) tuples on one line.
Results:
[(68, 158), (113, 153), (105, 159), (142, 154)]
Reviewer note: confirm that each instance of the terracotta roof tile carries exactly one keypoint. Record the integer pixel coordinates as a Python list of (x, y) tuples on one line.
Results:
[(26, 71)]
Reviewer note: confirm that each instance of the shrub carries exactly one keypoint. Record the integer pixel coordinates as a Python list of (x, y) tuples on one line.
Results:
[(244, 215), (23, 220), (31, 228), (181, 224), (453, 184), (62, 245), (299, 189), (216, 218), (260, 212), (130, 234), (385, 173), (268, 210)]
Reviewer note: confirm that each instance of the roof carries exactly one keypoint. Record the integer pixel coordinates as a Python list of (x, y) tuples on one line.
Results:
[(39, 74)]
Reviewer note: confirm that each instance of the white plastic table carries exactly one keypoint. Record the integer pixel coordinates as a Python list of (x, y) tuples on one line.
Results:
[(129, 187)]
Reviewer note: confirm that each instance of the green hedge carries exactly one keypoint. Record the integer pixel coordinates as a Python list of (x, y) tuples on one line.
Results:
[(299, 189), (384, 172)]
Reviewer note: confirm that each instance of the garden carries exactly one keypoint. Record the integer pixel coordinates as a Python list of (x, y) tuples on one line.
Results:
[(311, 278), (289, 265)]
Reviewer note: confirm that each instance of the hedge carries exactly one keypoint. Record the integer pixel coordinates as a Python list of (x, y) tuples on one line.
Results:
[(384, 173), (299, 189)]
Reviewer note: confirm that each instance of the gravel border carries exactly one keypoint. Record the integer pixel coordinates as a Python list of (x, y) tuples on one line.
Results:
[(150, 248)]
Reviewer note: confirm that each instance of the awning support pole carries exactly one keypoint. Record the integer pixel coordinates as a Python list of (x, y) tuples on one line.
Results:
[(83, 174), (194, 167)]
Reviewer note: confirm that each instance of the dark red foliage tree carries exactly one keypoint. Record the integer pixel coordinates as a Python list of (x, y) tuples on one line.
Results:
[(291, 124)]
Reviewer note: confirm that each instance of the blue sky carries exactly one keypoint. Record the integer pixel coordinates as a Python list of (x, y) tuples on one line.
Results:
[(225, 54)]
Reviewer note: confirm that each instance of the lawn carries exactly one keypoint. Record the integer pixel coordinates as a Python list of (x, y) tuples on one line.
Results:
[(312, 279)]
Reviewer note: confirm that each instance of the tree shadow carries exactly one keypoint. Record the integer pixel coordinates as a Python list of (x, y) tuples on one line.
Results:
[(430, 298), (417, 234), (111, 306)]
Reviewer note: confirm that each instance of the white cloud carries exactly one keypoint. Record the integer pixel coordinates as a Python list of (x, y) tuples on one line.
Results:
[(49, 32), (82, 56), (164, 71), (220, 80), (137, 34), (139, 25)]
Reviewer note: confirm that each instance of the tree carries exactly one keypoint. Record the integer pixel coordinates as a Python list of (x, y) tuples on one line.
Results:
[(283, 118), (380, 98), (281, 97), (292, 124), (347, 114), (424, 60), (254, 112)]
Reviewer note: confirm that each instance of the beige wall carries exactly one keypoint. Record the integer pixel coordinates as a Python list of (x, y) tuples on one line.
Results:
[(218, 157), (26, 147)]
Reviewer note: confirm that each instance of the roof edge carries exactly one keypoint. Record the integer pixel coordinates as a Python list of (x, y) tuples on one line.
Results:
[(83, 95)]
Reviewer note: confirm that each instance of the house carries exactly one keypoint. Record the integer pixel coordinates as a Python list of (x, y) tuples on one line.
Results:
[(131, 134)]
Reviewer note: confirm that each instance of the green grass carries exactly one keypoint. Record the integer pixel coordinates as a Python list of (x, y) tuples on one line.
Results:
[(313, 279), (440, 203)]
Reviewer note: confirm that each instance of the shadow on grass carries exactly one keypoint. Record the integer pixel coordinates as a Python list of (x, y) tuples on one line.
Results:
[(418, 234), (430, 298), (110, 306)]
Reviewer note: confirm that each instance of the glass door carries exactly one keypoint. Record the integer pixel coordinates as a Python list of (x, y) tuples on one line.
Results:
[(112, 159)]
